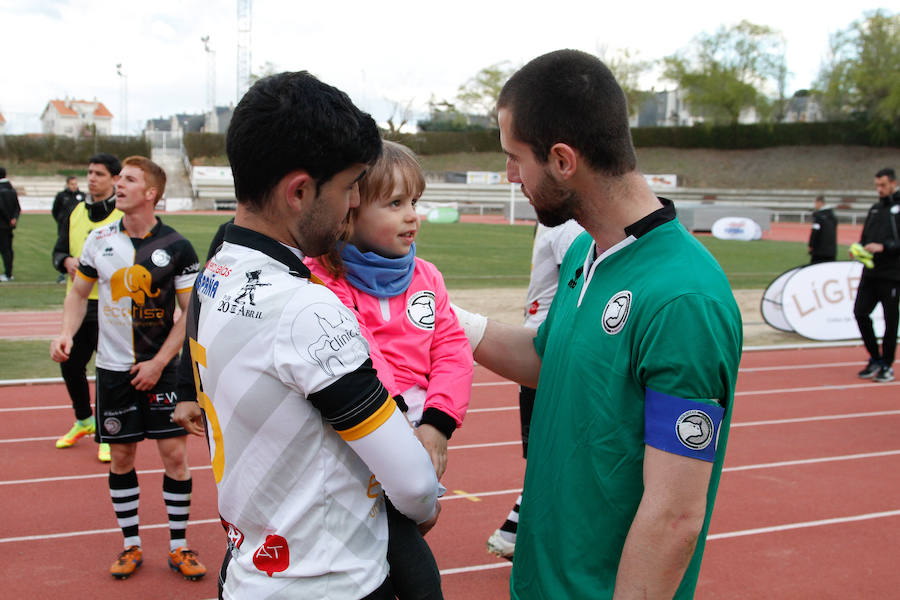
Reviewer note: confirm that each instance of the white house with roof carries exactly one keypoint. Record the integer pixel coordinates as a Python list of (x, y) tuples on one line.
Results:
[(76, 118)]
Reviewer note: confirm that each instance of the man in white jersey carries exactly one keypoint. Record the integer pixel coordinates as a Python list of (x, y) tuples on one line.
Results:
[(142, 268), (302, 434)]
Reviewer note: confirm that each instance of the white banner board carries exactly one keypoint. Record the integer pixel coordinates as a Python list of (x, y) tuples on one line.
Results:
[(818, 300), (770, 306), (737, 228)]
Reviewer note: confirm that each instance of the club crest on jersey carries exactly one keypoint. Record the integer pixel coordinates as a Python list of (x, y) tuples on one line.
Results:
[(615, 315), (160, 257), (694, 429), (328, 336), (420, 309), (134, 282)]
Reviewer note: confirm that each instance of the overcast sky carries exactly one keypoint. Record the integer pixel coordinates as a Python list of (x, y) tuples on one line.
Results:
[(380, 53)]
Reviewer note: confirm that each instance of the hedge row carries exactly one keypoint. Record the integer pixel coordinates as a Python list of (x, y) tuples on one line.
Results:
[(761, 135), (52, 148), (723, 137)]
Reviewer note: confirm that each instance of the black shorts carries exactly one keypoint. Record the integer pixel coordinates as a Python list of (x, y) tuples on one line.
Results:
[(126, 415)]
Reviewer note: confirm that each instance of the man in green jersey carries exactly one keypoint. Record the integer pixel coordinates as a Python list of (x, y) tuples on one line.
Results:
[(636, 362)]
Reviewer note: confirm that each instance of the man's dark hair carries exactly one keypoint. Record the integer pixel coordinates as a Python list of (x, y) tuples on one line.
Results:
[(2, 172), (292, 121), (571, 97), (888, 172), (70, 178), (112, 164)]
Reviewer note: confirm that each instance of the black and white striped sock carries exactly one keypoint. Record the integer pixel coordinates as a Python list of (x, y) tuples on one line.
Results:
[(509, 528), (177, 495), (124, 492)]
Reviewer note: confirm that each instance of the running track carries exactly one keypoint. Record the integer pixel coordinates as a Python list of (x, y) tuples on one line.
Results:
[(808, 506)]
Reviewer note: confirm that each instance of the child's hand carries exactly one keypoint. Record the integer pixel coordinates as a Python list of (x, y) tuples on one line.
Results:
[(436, 445)]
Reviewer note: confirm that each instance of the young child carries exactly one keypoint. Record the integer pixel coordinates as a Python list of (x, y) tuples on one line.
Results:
[(416, 344)]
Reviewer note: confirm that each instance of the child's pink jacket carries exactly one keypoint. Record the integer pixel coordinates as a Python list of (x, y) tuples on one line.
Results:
[(414, 339)]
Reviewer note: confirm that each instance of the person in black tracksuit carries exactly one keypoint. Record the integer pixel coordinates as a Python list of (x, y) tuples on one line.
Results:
[(823, 237), (881, 284), (9, 217), (65, 201)]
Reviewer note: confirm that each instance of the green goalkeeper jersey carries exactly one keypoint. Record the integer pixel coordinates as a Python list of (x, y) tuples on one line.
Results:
[(641, 346)]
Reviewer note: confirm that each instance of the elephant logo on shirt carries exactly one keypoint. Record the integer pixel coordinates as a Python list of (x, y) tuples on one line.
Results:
[(135, 282)]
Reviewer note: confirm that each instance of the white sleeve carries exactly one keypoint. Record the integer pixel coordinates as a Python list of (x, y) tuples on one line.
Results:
[(402, 466)]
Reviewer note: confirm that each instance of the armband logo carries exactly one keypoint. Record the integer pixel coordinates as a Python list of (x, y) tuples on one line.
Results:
[(694, 429), (615, 315), (420, 309)]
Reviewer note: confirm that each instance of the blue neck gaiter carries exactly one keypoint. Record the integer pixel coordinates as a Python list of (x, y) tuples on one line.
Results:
[(376, 275)]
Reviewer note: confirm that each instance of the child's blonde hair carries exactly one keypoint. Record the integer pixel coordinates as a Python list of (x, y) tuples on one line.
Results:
[(396, 161)]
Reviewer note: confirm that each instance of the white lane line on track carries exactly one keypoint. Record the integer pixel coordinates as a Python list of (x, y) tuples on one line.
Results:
[(817, 388), (877, 413), (795, 367), (89, 476), (803, 525), (812, 461)]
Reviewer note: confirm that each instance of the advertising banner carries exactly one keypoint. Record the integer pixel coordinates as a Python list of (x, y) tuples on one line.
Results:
[(817, 302), (737, 228)]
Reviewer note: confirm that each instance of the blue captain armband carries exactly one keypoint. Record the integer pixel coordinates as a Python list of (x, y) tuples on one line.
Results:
[(680, 426)]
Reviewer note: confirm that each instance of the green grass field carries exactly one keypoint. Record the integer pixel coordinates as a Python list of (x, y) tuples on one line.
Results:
[(469, 255)]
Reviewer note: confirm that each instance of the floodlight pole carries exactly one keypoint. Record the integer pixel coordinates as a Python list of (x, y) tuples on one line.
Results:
[(123, 96), (210, 74)]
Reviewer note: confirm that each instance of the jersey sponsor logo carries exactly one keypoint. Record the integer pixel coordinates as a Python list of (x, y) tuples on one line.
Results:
[(108, 251), (615, 315), (206, 285), (234, 535), (328, 336), (164, 398), (218, 269), (248, 292), (420, 309), (273, 556), (112, 425), (134, 282), (694, 429), (160, 257)]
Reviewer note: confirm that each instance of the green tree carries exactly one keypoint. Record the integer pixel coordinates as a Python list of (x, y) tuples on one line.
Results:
[(722, 73), (479, 94), (443, 116), (628, 69), (862, 75)]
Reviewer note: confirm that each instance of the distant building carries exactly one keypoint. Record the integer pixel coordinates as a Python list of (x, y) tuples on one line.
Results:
[(218, 120), (670, 109), (804, 107), (76, 118), (2, 123), (665, 109)]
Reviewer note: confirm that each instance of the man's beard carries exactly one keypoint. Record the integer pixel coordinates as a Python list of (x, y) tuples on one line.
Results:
[(553, 204)]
